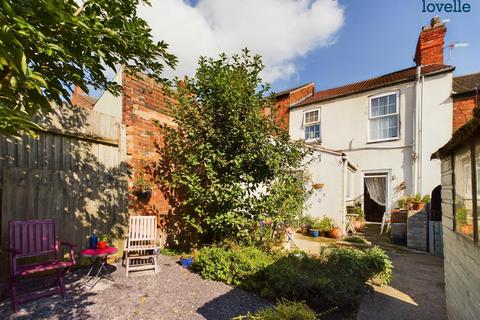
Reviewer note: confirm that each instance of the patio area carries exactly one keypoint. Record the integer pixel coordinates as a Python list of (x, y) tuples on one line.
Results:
[(172, 293)]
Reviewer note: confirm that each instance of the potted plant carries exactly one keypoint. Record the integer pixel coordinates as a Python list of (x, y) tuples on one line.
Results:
[(314, 227), (335, 233), (103, 242), (318, 186), (418, 204), (359, 222), (186, 260), (303, 224), (461, 220), (325, 225), (143, 187), (426, 199)]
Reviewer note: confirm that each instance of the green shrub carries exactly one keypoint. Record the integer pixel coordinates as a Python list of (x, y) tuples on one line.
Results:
[(379, 266), (337, 278), (247, 266), (355, 239), (214, 263), (170, 252), (326, 225), (461, 216), (240, 266), (426, 198), (361, 214), (309, 221), (283, 310)]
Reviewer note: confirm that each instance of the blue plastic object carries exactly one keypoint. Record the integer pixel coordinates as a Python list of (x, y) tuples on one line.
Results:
[(186, 262), (93, 241), (314, 233)]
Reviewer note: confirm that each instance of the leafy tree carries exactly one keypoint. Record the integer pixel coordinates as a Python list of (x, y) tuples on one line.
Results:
[(47, 46), (226, 165)]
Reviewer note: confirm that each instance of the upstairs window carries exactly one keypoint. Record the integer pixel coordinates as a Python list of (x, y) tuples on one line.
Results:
[(383, 117), (311, 121)]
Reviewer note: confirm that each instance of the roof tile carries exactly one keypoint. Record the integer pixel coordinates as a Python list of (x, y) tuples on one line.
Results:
[(394, 77), (466, 83)]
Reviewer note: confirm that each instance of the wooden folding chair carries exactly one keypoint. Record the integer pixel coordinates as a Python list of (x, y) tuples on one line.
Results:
[(141, 249)]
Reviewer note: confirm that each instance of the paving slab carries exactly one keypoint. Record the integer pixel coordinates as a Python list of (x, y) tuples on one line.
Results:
[(417, 290)]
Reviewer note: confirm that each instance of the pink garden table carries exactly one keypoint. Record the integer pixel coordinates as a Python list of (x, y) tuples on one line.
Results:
[(99, 260)]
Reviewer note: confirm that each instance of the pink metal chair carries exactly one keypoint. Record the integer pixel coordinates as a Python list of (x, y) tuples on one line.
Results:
[(35, 239)]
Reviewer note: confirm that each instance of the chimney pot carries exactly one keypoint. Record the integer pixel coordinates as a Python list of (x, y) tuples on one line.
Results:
[(435, 22)]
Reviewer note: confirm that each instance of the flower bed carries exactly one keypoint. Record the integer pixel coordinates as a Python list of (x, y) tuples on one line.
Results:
[(336, 278)]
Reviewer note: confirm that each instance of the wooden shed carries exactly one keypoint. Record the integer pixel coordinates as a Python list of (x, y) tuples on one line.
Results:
[(460, 202)]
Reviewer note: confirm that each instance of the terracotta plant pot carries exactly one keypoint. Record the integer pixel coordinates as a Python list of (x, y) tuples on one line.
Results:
[(317, 186), (335, 233), (357, 224), (304, 230), (418, 205), (466, 228)]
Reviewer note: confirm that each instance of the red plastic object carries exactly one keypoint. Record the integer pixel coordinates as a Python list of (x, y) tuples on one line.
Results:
[(102, 245)]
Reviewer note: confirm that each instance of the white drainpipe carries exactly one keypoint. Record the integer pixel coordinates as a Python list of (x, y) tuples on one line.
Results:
[(344, 192), (415, 131), (420, 139)]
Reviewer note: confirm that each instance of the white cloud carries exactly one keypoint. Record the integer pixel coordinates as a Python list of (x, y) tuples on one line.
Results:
[(279, 30)]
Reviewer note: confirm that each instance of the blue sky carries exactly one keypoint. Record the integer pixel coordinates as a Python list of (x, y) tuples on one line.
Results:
[(379, 36)]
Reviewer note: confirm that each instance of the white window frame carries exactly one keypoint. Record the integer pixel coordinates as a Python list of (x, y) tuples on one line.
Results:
[(305, 124), (397, 96)]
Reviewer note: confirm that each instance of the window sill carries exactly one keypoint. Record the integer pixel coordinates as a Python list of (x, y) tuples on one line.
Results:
[(313, 141), (383, 140)]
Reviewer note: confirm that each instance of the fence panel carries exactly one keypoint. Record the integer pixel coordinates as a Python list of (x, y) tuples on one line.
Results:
[(73, 172)]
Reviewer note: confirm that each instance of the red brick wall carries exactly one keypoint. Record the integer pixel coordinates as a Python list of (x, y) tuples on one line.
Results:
[(143, 101), (81, 99), (282, 114), (431, 43), (284, 102), (463, 110)]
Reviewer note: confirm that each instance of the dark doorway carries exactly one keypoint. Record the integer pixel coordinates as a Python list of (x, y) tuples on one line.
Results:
[(373, 211), (436, 204)]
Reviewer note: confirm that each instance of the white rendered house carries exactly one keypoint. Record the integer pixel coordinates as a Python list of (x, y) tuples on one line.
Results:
[(374, 138)]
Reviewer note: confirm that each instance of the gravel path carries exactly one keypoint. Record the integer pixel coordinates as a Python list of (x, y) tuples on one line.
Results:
[(173, 293)]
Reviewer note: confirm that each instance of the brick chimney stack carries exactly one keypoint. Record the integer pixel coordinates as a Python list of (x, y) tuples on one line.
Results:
[(431, 43)]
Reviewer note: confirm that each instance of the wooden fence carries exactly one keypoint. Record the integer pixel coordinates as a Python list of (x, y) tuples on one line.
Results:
[(74, 171)]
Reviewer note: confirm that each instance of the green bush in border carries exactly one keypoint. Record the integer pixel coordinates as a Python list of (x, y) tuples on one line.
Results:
[(337, 278), (241, 266), (283, 310)]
